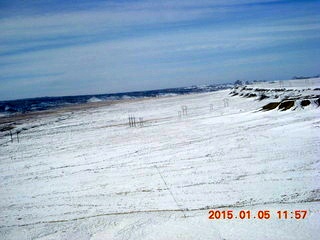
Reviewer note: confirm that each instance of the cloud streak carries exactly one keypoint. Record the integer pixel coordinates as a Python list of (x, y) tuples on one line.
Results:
[(101, 47)]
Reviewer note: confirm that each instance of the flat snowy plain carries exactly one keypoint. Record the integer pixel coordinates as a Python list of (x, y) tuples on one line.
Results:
[(88, 175)]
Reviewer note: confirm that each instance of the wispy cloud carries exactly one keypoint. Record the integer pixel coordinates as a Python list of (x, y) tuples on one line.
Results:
[(50, 48)]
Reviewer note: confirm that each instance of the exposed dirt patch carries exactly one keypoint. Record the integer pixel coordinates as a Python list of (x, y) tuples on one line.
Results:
[(262, 96), (270, 106), (284, 106), (305, 103), (252, 95)]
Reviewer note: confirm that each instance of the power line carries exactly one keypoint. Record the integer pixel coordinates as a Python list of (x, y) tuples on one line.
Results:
[(174, 199)]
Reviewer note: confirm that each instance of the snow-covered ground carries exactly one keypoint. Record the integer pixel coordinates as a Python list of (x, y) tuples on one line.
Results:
[(88, 175)]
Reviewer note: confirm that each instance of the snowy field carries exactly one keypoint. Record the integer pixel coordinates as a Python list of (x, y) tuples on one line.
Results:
[(88, 175)]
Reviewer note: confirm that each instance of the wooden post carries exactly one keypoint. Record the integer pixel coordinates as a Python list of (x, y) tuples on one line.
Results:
[(11, 136), (141, 122), (281, 84), (18, 136), (226, 102), (307, 82), (184, 110), (130, 121)]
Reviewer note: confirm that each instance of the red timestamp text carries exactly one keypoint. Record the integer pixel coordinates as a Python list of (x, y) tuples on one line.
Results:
[(258, 214)]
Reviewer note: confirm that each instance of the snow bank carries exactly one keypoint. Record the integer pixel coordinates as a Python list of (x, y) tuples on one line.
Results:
[(284, 98)]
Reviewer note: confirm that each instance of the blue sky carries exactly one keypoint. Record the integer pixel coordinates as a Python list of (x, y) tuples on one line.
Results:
[(55, 48)]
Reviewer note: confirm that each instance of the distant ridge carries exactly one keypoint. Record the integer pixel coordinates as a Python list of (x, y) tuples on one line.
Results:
[(45, 103)]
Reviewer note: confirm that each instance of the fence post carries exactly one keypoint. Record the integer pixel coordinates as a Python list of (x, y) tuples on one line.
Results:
[(184, 110), (141, 122), (281, 84), (226, 102), (11, 136)]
